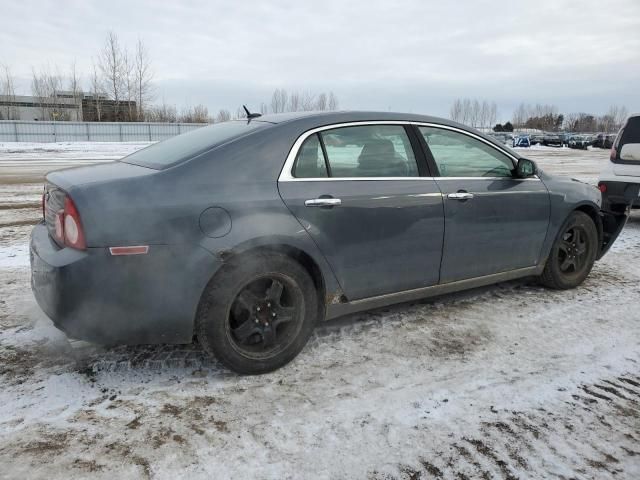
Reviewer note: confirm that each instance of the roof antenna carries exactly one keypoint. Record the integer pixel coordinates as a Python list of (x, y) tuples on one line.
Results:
[(249, 114)]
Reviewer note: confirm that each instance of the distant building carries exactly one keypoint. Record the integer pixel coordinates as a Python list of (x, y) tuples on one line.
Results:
[(98, 108), (66, 106), (22, 107)]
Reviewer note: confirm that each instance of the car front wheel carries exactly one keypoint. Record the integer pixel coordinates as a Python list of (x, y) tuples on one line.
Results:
[(572, 254), (258, 313)]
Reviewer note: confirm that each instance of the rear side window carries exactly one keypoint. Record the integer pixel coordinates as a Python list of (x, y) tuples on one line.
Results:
[(631, 132), (459, 155), (310, 162), (183, 147), (357, 152), (629, 136)]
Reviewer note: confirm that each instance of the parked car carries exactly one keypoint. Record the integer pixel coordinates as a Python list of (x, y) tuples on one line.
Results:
[(537, 139), (579, 141), (599, 140), (609, 140), (620, 179), (552, 140), (246, 233), (522, 141), (504, 138)]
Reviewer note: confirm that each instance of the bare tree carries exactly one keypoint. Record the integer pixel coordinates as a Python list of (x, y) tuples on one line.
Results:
[(130, 84), (46, 86), (467, 108), (295, 105), (97, 92), (162, 113), (321, 102), (7, 89), (240, 113), (618, 115), (75, 89), (223, 116), (279, 101), (308, 101), (493, 114), (264, 109), (39, 91), (455, 112), (112, 66), (520, 116), (197, 114), (333, 102), (143, 78)]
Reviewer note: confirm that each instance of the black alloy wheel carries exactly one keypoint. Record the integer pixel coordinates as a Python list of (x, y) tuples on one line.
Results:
[(573, 253), (265, 316)]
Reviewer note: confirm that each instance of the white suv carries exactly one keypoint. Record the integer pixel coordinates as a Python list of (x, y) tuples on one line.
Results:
[(620, 179)]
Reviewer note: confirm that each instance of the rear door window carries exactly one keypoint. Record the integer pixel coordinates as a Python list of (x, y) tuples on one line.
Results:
[(357, 152)]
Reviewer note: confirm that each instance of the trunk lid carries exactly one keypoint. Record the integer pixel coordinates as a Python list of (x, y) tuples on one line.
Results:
[(106, 172)]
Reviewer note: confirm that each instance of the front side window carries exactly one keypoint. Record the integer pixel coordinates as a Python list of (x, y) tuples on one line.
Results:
[(356, 152), (459, 155)]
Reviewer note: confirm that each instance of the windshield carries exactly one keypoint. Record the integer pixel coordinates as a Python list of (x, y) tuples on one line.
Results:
[(183, 147)]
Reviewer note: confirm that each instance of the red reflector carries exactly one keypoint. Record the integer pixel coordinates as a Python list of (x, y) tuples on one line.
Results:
[(603, 187), (137, 250)]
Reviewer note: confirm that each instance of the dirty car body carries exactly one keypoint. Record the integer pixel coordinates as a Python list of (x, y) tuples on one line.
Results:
[(377, 208)]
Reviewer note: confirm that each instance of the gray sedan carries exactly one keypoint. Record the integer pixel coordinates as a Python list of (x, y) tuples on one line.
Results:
[(245, 234)]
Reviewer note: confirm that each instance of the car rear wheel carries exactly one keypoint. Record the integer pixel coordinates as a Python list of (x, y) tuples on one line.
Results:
[(573, 253), (258, 313)]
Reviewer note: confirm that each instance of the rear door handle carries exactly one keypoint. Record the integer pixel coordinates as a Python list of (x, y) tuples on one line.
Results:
[(323, 202), (460, 196)]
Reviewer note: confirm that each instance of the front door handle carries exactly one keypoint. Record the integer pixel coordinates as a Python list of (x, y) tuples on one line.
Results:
[(460, 196), (323, 202)]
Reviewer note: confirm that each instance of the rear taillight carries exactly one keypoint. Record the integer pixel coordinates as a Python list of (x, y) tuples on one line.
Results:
[(72, 227), (68, 227), (602, 187)]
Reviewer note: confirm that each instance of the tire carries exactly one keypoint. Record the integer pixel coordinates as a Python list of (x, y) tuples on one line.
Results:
[(571, 261), (248, 330)]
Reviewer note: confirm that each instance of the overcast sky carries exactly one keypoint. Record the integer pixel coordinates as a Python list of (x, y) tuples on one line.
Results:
[(411, 55)]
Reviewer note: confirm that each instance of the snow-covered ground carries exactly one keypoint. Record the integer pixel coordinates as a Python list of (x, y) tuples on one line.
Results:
[(509, 381), (22, 151)]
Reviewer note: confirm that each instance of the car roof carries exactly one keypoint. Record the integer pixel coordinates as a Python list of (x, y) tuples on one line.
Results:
[(304, 121), (326, 118)]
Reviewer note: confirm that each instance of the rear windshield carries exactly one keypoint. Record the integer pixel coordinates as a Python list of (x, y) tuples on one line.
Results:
[(631, 132), (183, 147)]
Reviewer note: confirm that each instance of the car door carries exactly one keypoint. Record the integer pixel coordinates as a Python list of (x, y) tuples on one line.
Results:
[(493, 221), (358, 191)]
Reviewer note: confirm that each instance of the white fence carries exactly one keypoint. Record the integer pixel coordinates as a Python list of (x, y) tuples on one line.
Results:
[(19, 131)]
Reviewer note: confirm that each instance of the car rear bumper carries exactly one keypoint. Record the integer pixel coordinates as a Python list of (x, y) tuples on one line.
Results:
[(94, 296), (620, 194), (616, 201)]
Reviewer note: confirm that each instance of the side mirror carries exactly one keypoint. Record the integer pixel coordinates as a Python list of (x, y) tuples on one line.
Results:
[(526, 168), (630, 152)]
